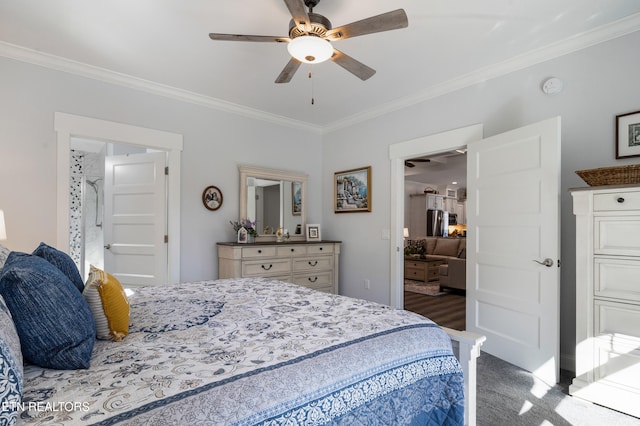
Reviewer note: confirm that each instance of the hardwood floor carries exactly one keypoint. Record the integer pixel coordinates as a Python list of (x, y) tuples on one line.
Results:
[(448, 310)]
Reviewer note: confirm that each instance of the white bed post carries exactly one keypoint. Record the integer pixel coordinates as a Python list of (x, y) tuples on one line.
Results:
[(466, 347)]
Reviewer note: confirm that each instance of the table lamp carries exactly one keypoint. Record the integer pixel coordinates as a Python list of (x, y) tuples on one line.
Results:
[(3, 230)]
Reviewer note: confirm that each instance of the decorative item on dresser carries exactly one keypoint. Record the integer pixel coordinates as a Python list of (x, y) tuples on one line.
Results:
[(310, 264), (608, 296)]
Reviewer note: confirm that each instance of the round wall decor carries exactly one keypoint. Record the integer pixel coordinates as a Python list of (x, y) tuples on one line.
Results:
[(212, 197)]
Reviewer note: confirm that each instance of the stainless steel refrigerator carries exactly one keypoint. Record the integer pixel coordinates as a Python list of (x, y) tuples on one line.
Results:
[(437, 223)]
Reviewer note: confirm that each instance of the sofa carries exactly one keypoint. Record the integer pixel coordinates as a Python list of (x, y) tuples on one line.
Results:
[(453, 251)]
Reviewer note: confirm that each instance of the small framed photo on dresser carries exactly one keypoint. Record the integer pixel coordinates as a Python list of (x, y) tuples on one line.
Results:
[(313, 232)]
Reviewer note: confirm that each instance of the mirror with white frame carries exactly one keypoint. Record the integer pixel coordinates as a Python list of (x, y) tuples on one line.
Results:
[(273, 198)]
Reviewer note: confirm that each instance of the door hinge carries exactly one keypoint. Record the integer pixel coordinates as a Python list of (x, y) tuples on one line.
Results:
[(166, 239), (166, 170)]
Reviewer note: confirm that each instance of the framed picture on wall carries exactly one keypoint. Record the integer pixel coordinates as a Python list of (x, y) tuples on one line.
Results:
[(628, 135), (212, 198), (352, 191), (313, 232)]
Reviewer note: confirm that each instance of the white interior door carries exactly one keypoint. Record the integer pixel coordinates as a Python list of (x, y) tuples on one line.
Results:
[(513, 182), (135, 219)]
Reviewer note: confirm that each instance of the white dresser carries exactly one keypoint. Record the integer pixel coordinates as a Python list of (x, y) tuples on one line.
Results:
[(608, 296), (313, 264)]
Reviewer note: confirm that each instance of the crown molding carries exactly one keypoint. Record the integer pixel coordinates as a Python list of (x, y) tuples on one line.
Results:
[(578, 42), (58, 63)]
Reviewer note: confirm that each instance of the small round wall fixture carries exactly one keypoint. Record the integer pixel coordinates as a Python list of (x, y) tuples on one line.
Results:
[(552, 85), (212, 197)]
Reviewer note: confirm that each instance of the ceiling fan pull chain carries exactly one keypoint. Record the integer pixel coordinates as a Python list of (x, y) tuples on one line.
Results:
[(312, 91)]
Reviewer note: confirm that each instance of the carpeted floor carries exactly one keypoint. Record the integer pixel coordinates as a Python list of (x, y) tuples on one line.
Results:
[(508, 395)]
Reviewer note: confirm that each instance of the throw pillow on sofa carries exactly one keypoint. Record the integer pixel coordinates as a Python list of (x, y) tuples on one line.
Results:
[(447, 247), (52, 318)]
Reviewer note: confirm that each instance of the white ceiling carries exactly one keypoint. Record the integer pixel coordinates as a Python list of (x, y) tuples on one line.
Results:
[(163, 46), (442, 170)]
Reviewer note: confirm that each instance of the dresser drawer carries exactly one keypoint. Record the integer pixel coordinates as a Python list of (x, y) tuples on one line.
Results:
[(617, 235), (316, 263), (288, 250), (616, 201), (617, 344), (320, 249), (618, 363), (321, 281), (417, 274), (265, 268), (617, 322), (258, 251), (617, 278)]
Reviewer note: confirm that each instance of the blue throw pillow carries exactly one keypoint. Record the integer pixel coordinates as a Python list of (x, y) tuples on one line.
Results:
[(11, 372), (52, 318), (62, 261)]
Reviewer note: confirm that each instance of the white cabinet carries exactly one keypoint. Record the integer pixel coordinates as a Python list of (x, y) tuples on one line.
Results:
[(461, 212), (608, 297), (435, 202), (313, 265)]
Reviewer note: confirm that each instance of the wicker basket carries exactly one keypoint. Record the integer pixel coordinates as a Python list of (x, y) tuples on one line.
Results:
[(611, 175)]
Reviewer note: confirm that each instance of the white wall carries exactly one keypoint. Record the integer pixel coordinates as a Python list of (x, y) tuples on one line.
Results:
[(600, 83), (214, 144)]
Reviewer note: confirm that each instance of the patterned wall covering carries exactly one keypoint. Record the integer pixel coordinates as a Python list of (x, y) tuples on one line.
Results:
[(85, 220), (75, 209)]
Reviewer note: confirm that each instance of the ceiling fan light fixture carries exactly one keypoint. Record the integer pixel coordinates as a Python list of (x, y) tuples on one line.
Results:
[(310, 49)]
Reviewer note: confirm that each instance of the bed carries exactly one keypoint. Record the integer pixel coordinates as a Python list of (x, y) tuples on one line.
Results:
[(260, 351)]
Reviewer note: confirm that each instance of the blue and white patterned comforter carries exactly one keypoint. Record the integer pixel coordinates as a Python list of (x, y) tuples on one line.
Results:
[(256, 351)]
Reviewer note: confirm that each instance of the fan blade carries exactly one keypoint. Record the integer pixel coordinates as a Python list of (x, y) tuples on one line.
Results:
[(408, 164), (289, 70), (243, 37), (355, 67), (299, 14), (393, 20)]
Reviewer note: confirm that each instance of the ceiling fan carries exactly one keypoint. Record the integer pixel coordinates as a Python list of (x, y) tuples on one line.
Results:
[(409, 162), (311, 34)]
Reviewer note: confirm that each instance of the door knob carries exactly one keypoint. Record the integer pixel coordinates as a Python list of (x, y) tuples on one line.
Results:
[(547, 262), (108, 246)]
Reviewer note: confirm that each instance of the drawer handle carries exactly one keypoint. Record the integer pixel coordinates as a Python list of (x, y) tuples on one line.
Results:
[(320, 248), (313, 280), (292, 250), (620, 200), (266, 269), (259, 251), (315, 262)]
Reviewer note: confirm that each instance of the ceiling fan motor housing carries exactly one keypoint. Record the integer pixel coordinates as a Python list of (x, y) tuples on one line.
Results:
[(319, 27)]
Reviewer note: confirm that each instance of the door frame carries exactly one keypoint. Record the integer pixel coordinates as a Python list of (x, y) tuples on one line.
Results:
[(67, 126), (398, 152)]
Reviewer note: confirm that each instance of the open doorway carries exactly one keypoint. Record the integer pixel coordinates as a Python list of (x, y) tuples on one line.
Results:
[(117, 221), (435, 229), (69, 126), (398, 154)]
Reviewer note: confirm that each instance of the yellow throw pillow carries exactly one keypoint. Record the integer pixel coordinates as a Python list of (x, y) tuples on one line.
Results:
[(109, 305)]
